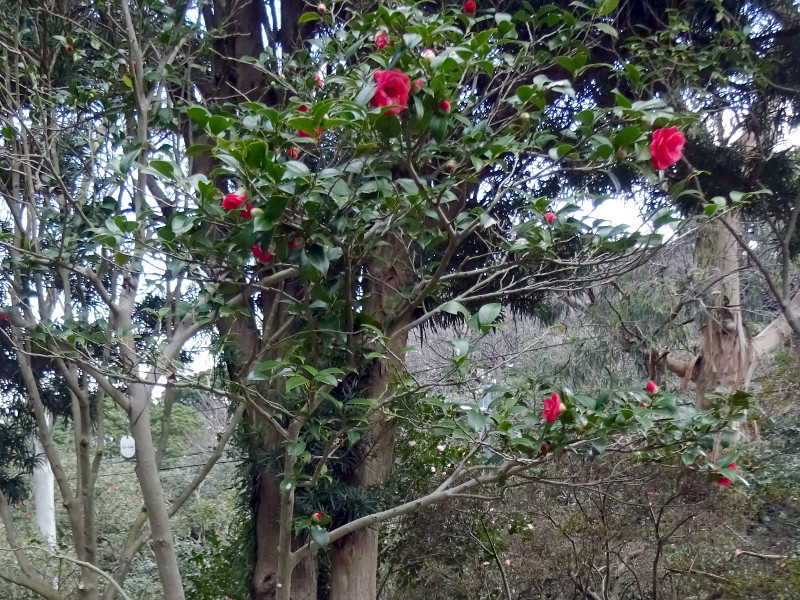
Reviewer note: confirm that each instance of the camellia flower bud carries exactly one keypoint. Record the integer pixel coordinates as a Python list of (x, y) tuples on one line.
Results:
[(444, 106), (256, 212), (469, 7), (417, 85), (429, 55), (293, 153), (382, 39), (525, 117), (651, 387), (549, 217), (69, 47), (321, 7), (450, 165), (316, 517)]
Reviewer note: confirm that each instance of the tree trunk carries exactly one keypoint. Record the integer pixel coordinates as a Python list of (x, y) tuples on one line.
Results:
[(266, 511), (354, 558), (727, 358), (153, 494), (44, 494)]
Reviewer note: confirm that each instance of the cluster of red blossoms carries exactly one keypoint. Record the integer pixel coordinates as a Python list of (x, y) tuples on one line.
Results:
[(234, 202), (724, 481)]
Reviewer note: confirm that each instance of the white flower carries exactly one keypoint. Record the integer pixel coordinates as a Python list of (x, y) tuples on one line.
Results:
[(433, 469), (441, 447)]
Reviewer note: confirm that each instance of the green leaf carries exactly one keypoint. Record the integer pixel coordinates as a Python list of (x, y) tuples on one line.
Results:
[(606, 7), (412, 40), (217, 124), (489, 312), (606, 28), (296, 170), (307, 17), (295, 381), (316, 257), (366, 94), (689, 457), (126, 162), (627, 136), (198, 114), (163, 167), (320, 536), (296, 448), (454, 308), (326, 378), (476, 419), (460, 346)]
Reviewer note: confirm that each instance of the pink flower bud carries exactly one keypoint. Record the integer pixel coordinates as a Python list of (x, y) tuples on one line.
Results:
[(321, 7), (549, 217), (469, 7), (651, 387), (444, 106), (417, 85), (429, 55), (382, 39)]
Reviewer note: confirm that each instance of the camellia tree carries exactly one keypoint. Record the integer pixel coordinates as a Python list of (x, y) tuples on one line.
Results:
[(405, 170)]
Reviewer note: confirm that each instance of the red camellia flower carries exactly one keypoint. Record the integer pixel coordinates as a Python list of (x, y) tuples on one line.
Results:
[(293, 153), (260, 254), (667, 147), (444, 106), (549, 217), (469, 7), (545, 448), (724, 481), (552, 408), (382, 39), (235, 200), (393, 89), (304, 108), (651, 387)]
